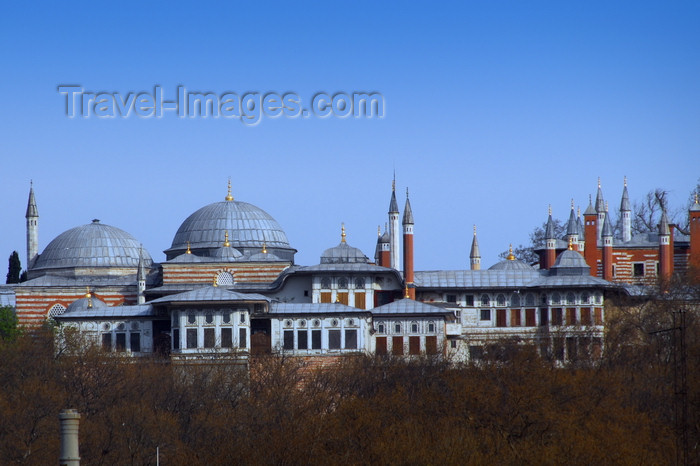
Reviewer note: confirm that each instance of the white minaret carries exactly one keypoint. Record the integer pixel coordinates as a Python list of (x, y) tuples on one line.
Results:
[(626, 214), (394, 228), (474, 254), (32, 217), (600, 210), (141, 279)]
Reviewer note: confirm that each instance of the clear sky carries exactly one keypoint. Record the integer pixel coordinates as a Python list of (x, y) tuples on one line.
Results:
[(493, 111)]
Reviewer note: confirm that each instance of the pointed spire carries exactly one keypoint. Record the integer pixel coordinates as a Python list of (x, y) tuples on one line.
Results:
[(229, 197), (342, 233), (407, 212), (32, 210), (510, 256), (549, 230), (393, 205), (625, 202), (607, 227), (579, 225), (664, 229), (379, 231), (571, 243), (141, 268), (226, 243), (599, 202), (474, 253), (590, 210), (572, 226)]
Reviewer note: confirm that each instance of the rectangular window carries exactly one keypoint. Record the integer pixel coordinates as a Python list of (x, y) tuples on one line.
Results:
[(557, 316), (342, 297), (469, 300), (598, 316), (476, 353), (209, 339), (302, 339), (413, 345), (529, 317), (191, 338), (227, 337), (381, 346), (135, 342), (351, 339), (242, 338), (515, 318), (500, 317), (544, 317), (397, 346), (334, 339), (360, 300), (638, 269), (570, 316), (325, 297), (176, 338), (315, 339), (586, 316), (288, 340), (451, 298), (485, 314), (107, 341), (431, 344), (121, 342)]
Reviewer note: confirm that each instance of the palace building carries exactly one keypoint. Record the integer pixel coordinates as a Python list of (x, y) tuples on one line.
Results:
[(230, 288)]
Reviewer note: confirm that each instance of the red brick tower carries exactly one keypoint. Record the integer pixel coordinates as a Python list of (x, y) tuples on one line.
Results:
[(694, 214), (607, 239), (550, 243), (408, 249), (590, 251), (665, 251)]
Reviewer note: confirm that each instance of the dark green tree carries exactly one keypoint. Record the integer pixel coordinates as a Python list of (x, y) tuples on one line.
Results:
[(14, 268), (8, 323)]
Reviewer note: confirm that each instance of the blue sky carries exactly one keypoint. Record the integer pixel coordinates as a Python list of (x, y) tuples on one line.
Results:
[(493, 111)]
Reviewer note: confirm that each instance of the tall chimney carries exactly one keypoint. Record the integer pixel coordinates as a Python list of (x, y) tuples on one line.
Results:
[(70, 424)]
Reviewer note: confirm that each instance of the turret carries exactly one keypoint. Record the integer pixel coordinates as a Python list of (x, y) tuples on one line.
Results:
[(626, 214), (591, 252), (474, 254), (394, 228), (383, 256), (32, 217), (572, 228), (408, 223), (581, 232), (141, 279), (665, 252), (550, 243), (600, 211), (694, 214), (607, 239)]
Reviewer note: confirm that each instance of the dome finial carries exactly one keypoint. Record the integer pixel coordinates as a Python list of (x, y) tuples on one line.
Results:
[(406, 295), (214, 282), (406, 192), (599, 182), (229, 197), (342, 233), (475, 229), (625, 181), (510, 256), (572, 203), (379, 230), (264, 249), (87, 292), (550, 209), (226, 243), (189, 251), (88, 295), (696, 197), (571, 243)]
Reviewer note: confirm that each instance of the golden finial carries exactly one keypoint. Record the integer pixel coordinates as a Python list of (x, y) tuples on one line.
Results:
[(264, 249), (625, 181), (571, 243), (88, 295), (337, 299), (510, 256), (598, 182), (226, 243), (696, 197), (406, 295), (189, 251), (342, 233), (550, 209), (87, 292), (229, 197), (214, 282)]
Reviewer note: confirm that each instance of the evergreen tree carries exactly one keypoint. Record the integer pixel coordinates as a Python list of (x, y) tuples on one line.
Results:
[(8, 323), (14, 268)]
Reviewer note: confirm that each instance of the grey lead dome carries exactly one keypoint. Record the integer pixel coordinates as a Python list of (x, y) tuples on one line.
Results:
[(92, 245), (249, 228)]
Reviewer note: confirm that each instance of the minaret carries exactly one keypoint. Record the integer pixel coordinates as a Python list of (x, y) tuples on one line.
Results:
[(141, 279), (384, 249), (607, 235), (550, 241), (600, 210), (408, 223), (475, 255), (694, 214), (626, 214), (32, 217), (665, 252), (394, 228), (572, 227), (581, 232), (591, 252)]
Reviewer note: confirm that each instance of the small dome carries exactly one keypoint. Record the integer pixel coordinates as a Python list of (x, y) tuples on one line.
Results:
[(264, 257), (249, 226), (511, 264), (343, 254), (92, 245), (226, 254), (84, 304), (570, 258)]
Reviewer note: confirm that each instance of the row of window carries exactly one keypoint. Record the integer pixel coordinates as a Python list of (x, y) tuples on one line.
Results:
[(397, 327), (118, 342), (211, 318), (529, 299), (211, 338), (317, 323), (343, 282), (414, 345), (558, 316), (305, 339)]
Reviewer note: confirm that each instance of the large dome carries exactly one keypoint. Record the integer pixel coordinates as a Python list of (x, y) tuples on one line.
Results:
[(249, 228), (92, 245)]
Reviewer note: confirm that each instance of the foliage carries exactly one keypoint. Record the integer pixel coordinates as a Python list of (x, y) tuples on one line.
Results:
[(14, 268), (8, 323)]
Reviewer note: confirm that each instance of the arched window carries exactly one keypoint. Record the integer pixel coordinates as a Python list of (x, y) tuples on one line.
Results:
[(57, 310), (585, 298), (380, 328), (431, 327), (515, 300), (326, 283), (530, 299), (359, 283), (556, 298), (397, 327), (224, 279), (343, 283), (500, 300), (485, 301), (570, 298), (414, 327)]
